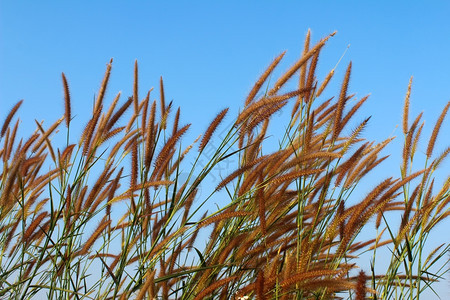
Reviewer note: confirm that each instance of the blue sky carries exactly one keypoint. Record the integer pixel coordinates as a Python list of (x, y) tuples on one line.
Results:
[(210, 53)]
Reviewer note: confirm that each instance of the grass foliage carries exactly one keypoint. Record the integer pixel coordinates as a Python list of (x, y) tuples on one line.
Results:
[(109, 216)]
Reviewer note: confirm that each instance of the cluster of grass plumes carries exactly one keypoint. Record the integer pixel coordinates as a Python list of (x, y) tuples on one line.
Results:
[(109, 216)]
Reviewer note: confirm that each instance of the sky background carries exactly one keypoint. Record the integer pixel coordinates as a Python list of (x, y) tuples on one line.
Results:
[(210, 54)]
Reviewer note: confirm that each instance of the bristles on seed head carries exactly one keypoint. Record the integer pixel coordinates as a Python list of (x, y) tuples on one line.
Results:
[(436, 129), (67, 110), (302, 79), (9, 117), (289, 73), (135, 88), (223, 216), (211, 128), (341, 103), (361, 286), (102, 91), (325, 83), (263, 78), (162, 102), (406, 107)]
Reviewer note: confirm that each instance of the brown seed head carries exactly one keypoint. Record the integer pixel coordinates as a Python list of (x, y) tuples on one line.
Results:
[(9, 117), (67, 114)]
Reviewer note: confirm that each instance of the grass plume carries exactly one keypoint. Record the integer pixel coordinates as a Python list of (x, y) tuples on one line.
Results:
[(123, 211)]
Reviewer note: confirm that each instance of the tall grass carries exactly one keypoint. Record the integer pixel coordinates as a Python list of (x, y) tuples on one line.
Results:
[(109, 216)]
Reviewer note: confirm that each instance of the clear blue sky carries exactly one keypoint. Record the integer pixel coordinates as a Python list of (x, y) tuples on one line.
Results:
[(210, 54)]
